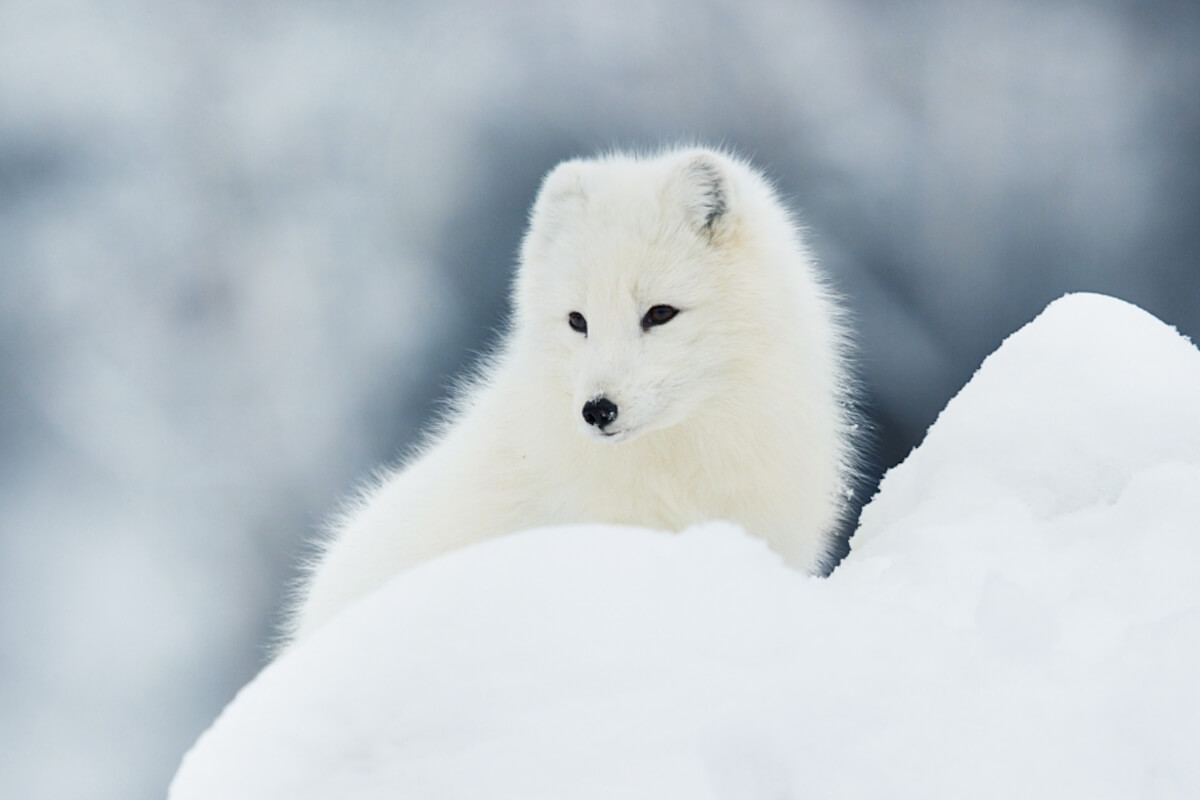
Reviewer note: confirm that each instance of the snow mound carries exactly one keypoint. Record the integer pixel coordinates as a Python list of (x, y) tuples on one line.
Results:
[(1070, 409), (1020, 616)]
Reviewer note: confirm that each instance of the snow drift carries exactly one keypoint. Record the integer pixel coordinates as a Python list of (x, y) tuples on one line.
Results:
[(1019, 616)]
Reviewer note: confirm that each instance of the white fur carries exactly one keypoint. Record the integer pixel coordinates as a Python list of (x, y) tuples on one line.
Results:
[(734, 410)]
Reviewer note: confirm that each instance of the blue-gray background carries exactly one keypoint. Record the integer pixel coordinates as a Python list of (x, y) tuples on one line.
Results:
[(244, 245)]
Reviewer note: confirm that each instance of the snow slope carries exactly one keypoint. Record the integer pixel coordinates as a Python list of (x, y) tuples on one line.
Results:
[(1019, 617)]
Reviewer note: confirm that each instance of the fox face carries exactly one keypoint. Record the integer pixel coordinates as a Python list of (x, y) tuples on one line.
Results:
[(624, 286), (627, 374)]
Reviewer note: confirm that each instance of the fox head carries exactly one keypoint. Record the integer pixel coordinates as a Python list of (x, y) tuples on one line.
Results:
[(632, 288)]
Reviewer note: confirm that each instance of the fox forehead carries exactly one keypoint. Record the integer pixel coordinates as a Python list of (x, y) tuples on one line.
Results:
[(617, 267), (604, 294)]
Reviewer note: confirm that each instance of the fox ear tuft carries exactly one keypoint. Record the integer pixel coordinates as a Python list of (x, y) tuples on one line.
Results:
[(705, 191)]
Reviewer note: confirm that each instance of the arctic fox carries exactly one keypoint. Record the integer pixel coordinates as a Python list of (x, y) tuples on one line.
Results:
[(673, 357)]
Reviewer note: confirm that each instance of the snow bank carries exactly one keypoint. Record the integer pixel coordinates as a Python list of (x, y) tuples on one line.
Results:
[(1020, 616)]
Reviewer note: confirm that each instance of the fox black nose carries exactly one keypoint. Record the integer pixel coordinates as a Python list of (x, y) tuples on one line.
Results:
[(599, 412)]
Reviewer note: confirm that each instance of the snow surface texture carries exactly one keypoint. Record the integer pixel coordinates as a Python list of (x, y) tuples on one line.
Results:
[(1019, 617)]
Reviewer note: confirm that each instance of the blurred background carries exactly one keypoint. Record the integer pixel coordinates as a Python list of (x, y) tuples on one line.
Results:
[(245, 245)]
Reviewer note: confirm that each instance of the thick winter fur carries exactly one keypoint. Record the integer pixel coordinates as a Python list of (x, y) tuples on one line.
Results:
[(734, 409)]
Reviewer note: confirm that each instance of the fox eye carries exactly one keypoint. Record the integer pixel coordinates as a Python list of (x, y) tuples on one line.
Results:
[(577, 322), (658, 315)]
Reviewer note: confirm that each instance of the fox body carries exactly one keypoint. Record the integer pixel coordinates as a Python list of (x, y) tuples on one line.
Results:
[(673, 357)]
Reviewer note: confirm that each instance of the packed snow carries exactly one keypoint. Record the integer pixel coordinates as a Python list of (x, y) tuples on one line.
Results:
[(1019, 617)]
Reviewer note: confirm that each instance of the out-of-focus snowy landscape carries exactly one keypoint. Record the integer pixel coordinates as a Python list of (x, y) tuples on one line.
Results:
[(245, 246), (1019, 616)]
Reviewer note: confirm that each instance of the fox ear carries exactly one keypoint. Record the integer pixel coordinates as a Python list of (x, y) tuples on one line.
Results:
[(561, 189), (705, 193), (561, 196)]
